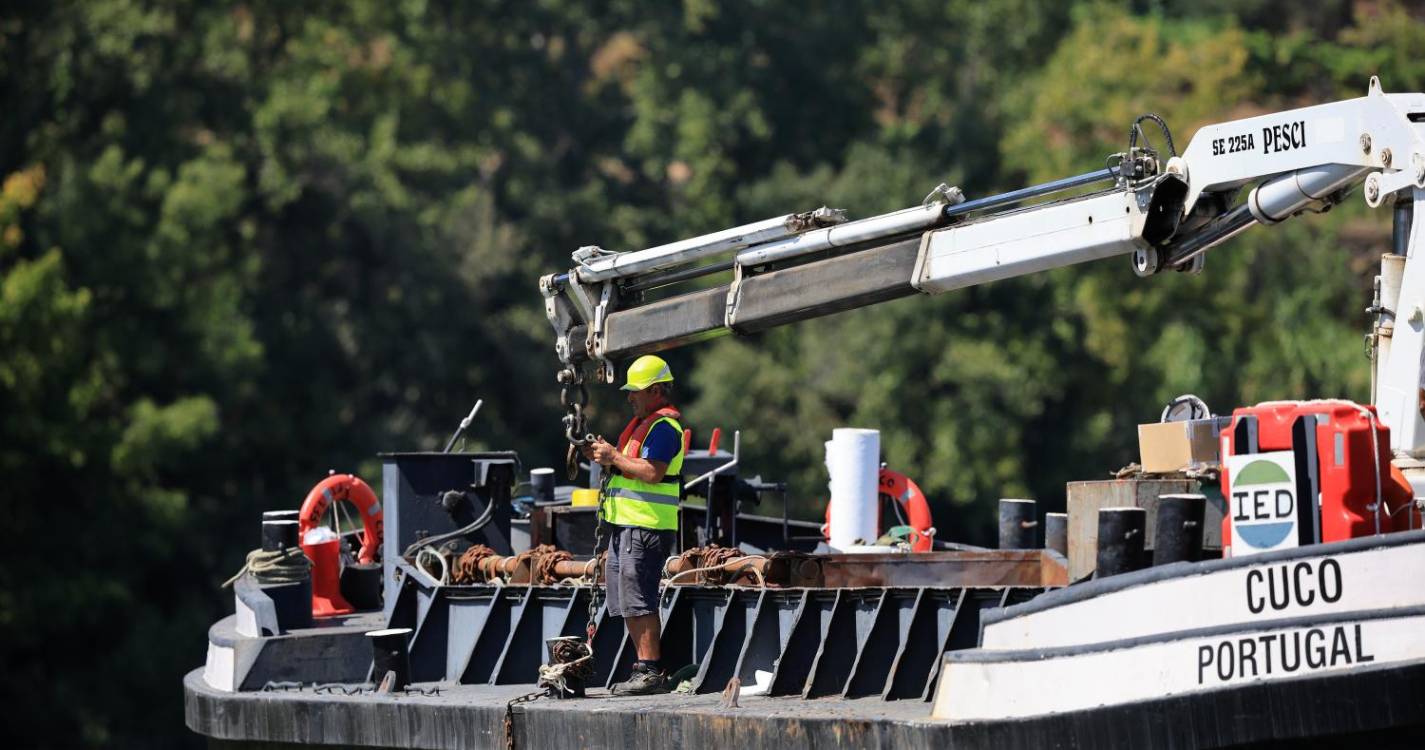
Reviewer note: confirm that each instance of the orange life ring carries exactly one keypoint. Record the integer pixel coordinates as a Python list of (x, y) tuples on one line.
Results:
[(905, 491), (350, 488)]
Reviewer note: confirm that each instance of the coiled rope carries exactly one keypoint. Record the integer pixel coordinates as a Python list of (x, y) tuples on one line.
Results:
[(289, 565)]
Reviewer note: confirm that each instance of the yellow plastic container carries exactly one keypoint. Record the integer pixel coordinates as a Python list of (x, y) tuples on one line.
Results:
[(585, 498)]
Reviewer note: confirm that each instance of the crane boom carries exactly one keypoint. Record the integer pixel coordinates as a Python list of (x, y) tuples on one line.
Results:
[(1163, 210)]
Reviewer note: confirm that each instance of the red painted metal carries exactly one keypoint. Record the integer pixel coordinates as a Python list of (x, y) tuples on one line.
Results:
[(1348, 480)]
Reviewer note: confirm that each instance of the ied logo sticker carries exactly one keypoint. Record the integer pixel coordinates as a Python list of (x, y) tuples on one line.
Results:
[(1263, 502)]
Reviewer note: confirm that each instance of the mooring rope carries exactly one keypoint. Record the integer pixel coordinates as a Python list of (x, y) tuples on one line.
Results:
[(289, 565)]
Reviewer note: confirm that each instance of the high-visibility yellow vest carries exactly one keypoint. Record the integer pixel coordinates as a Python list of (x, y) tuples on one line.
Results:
[(648, 505)]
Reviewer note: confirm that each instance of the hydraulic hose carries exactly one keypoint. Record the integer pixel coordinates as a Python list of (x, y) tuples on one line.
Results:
[(469, 528)]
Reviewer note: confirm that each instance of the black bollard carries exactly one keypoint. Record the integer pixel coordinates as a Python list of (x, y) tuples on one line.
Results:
[(1178, 535), (361, 585), (565, 650), (390, 653), (541, 486), (1056, 532), (291, 599), (1017, 527), (1120, 540), (278, 535)]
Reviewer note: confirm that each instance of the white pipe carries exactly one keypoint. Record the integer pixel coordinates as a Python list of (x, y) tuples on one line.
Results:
[(684, 251), (876, 227)]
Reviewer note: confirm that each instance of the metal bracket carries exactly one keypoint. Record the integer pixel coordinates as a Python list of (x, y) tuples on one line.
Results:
[(944, 195), (1382, 185), (734, 293), (561, 315), (604, 370), (580, 296)]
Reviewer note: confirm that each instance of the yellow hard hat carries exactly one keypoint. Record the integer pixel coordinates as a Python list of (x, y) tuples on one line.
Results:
[(646, 371)]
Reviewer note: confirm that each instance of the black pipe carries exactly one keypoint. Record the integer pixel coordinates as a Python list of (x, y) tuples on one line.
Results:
[(1120, 540), (1178, 535), (390, 653), (1402, 218), (541, 485), (1017, 527), (1056, 532), (278, 535), (1024, 194)]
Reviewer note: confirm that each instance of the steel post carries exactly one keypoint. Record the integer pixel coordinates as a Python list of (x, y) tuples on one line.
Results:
[(391, 655), (541, 485), (1017, 526), (1401, 219), (1120, 540), (1179, 528), (278, 535), (1056, 532)]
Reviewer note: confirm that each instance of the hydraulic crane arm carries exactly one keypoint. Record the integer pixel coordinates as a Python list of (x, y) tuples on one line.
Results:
[(1165, 211)]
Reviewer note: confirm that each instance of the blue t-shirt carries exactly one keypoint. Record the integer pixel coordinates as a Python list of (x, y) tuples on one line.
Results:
[(661, 444)]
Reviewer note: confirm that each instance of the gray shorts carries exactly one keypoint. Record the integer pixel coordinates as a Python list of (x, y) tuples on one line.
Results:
[(635, 568)]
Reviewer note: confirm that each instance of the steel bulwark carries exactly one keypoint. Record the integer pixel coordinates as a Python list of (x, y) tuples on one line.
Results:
[(849, 639)]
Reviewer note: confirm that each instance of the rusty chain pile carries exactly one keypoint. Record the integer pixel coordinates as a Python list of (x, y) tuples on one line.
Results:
[(547, 558), (572, 661), (716, 557), (547, 565), (716, 566), (467, 568)]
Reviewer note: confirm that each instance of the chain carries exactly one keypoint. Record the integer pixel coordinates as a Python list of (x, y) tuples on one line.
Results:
[(574, 404), (599, 528), (576, 432), (510, 714), (575, 424)]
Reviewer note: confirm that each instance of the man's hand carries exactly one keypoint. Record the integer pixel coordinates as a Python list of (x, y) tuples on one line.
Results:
[(641, 469), (600, 452)]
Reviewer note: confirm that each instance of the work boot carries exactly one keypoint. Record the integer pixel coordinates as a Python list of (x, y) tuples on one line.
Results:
[(645, 680)]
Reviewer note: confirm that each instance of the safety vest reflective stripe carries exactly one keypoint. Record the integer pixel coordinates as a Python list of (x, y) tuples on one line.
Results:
[(669, 497)]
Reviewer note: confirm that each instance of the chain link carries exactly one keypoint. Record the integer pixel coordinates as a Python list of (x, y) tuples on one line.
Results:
[(576, 432), (600, 527), (510, 715), (575, 423)]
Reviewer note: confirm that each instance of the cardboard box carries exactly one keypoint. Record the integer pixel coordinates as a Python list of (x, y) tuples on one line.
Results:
[(1178, 446)]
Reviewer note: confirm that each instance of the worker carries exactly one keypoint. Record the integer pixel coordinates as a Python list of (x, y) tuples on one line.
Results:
[(641, 506)]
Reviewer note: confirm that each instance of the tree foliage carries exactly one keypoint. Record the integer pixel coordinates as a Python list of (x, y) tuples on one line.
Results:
[(242, 243)]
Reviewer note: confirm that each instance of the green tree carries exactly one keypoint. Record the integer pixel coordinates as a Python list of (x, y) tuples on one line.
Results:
[(242, 243)]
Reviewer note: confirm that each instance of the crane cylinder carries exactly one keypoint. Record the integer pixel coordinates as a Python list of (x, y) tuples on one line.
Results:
[(1280, 197)]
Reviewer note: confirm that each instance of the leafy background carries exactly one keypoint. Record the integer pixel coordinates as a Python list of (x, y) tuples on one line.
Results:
[(245, 242)]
